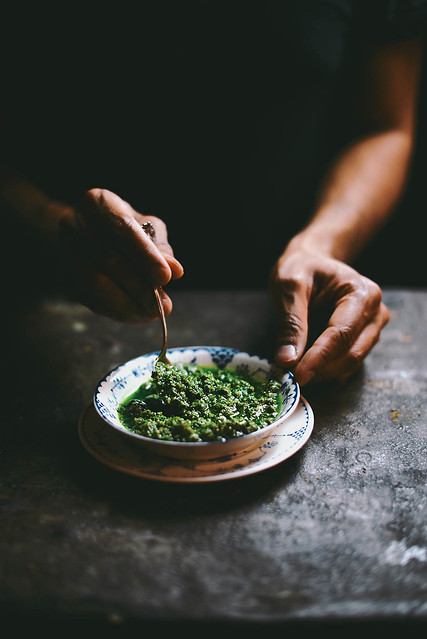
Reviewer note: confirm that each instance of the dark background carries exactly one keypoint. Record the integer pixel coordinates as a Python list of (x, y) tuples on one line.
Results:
[(397, 256), (51, 84)]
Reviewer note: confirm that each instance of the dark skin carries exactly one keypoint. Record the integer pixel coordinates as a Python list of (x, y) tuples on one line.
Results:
[(111, 265), (359, 194)]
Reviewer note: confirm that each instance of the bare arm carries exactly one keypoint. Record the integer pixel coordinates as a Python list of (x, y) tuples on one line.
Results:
[(29, 203), (359, 192), (108, 263), (368, 178)]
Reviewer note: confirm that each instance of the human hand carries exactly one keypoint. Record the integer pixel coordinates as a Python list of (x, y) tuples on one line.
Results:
[(302, 282), (110, 264)]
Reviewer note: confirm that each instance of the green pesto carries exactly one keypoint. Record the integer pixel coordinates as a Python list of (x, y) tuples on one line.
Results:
[(188, 403)]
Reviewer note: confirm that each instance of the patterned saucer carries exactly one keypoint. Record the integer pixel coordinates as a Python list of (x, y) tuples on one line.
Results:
[(118, 384), (116, 451)]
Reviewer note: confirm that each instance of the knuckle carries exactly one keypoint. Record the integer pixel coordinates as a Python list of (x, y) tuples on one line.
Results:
[(121, 223), (291, 283), (290, 324), (287, 289), (355, 358), (342, 336), (107, 208), (371, 293), (94, 197)]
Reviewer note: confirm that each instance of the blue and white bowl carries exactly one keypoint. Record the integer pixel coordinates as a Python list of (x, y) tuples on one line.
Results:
[(124, 380)]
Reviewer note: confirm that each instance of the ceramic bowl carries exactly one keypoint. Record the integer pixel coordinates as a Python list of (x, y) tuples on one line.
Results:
[(124, 380)]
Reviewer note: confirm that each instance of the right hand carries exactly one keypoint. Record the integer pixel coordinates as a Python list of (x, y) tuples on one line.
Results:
[(303, 281), (110, 264)]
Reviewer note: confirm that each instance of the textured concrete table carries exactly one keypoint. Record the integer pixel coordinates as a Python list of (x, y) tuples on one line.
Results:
[(335, 535)]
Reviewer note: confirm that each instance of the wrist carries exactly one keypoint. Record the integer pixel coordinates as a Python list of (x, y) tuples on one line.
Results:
[(310, 242), (326, 236), (30, 204)]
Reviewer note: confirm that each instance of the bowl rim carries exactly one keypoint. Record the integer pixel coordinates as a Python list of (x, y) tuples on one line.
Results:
[(165, 442)]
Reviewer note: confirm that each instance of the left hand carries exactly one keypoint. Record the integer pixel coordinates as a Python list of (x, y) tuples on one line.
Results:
[(110, 264), (302, 281)]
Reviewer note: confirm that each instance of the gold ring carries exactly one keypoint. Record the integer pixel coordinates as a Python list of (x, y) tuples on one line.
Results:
[(148, 228)]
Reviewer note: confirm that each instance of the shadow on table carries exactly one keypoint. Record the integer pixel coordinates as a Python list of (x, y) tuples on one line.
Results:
[(52, 625), (134, 496)]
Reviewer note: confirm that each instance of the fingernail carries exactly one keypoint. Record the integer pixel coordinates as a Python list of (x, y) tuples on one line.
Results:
[(286, 352)]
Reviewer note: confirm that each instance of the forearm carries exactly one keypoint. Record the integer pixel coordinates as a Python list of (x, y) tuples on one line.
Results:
[(29, 203), (358, 195)]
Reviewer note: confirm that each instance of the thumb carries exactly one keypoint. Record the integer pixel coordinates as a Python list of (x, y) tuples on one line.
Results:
[(291, 329)]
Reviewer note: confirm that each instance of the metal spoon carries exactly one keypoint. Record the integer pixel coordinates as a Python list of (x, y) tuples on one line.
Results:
[(162, 357)]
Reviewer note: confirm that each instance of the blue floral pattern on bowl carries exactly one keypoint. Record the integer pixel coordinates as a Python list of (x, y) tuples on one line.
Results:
[(108, 447), (125, 379)]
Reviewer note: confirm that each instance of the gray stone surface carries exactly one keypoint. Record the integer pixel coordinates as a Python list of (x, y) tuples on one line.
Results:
[(337, 533)]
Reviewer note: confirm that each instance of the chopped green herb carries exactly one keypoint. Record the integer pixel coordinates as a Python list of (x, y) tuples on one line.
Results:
[(188, 403)]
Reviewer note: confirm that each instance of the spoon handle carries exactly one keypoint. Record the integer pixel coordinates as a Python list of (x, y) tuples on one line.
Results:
[(148, 228), (162, 355)]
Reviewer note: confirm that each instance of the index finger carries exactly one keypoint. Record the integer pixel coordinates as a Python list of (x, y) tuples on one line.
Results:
[(344, 327), (156, 230), (115, 219)]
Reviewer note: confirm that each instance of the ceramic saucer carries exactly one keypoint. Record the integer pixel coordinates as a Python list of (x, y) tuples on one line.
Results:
[(118, 452)]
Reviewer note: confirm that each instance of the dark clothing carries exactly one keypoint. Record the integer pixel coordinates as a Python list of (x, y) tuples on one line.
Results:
[(219, 117)]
